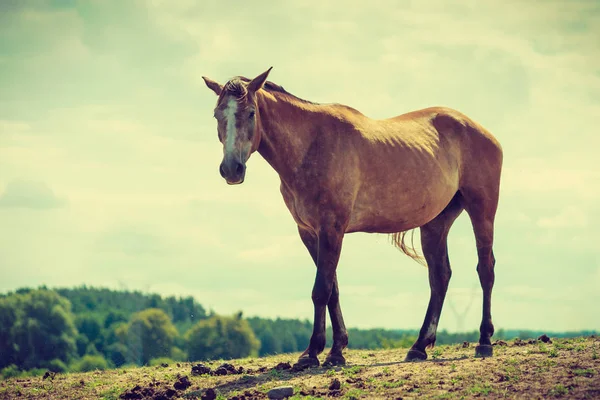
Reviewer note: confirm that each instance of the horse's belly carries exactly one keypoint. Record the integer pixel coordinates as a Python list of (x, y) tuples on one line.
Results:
[(390, 209)]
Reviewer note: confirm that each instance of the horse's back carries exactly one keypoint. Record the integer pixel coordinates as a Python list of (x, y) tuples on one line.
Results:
[(413, 164), (479, 152)]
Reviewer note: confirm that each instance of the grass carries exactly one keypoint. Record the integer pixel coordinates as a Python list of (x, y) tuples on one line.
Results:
[(352, 370), (529, 371), (579, 347), (437, 353), (512, 373), (275, 374), (354, 394), (558, 391), (483, 389), (563, 346), (588, 372), (456, 380), (391, 385)]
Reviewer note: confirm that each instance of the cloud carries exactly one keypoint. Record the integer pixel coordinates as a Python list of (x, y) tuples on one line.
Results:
[(280, 248), (13, 127), (569, 217), (133, 241), (541, 177), (30, 194), (105, 100)]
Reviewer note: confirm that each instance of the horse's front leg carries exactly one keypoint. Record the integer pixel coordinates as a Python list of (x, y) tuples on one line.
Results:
[(329, 246), (340, 334)]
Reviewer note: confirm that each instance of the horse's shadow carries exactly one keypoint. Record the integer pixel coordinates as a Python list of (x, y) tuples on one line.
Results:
[(428, 361), (249, 381)]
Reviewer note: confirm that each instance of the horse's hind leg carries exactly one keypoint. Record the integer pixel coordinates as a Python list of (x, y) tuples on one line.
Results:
[(434, 237), (482, 210)]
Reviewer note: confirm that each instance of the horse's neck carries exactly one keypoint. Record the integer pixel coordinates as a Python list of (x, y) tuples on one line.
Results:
[(286, 133)]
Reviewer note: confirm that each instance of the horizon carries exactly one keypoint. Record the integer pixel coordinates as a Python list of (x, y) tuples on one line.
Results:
[(109, 153), (210, 312)]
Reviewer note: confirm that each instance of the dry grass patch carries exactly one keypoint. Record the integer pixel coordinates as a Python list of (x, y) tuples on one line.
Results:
[(565, 368)]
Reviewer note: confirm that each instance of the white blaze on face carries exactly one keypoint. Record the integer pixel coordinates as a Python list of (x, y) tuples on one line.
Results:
[(229, 114)]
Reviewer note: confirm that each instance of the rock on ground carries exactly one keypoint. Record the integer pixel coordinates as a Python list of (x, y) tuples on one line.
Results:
[(281, 392)]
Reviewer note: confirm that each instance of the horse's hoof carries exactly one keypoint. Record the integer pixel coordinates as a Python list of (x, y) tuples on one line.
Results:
[(484, 350), (305, 362), (415, 355), (334, 360)]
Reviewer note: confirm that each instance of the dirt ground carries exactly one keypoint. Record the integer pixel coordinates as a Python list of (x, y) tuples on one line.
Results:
[(567, 368)]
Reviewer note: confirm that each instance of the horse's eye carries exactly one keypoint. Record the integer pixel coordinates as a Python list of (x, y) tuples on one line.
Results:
[(251, 115)]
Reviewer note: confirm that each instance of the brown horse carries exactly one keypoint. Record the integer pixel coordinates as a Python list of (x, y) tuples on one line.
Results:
[(343, 172)]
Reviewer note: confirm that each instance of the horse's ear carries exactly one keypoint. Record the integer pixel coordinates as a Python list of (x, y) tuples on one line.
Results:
[(212, 85), (259, 81)]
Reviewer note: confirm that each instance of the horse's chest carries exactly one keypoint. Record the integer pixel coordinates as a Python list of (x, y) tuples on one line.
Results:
[(297, 208)]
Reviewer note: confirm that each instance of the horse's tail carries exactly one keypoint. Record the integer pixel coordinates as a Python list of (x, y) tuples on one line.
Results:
[(398, 241)]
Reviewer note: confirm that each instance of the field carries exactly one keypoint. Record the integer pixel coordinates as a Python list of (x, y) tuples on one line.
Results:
[(562, 368)]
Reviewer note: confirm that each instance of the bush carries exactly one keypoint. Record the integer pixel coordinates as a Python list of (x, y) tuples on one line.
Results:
[(150, 334), (34, 372), (56, 365), (221, 338), (129, 366), (177, 354), (90, 363), (161, 360), (12, 371)]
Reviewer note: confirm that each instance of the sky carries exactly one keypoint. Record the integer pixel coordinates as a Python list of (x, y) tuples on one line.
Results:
[(109, 153)]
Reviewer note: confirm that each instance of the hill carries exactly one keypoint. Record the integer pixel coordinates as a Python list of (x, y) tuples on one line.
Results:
[(568, 368)]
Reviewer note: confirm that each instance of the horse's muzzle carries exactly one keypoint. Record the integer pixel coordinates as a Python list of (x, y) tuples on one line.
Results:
[(233, 171)]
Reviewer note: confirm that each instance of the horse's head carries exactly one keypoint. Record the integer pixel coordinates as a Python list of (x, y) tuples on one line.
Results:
[(238, 123)]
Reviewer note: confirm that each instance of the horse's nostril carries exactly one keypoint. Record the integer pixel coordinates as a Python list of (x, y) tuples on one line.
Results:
[(239, 169), (222, 171)]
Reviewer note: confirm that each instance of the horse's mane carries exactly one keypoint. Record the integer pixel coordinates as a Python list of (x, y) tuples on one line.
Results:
[(236, 87)]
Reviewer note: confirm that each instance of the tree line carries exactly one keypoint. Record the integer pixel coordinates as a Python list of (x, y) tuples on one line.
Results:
[(86, 328)]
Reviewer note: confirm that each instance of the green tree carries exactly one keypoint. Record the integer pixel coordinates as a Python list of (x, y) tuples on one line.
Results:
[(150, 334), (221, 337), (269, 343), (114, 317), (44, 329), (8, 319), (289, 342), (81, 343), (89, 326), (117, 354)]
